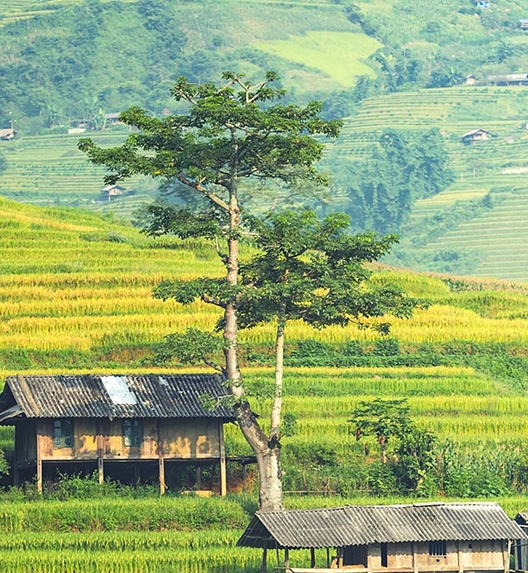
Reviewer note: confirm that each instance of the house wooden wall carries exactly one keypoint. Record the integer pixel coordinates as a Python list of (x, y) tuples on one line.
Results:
[(179, 439), (460, 556), (102, 439)]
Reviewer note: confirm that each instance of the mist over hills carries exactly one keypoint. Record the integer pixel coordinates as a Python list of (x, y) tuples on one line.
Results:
[(383, 65)]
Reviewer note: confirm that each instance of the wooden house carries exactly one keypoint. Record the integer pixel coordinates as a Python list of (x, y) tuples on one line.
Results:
[(524, 25), (112, 118), (484, 4), (106, 419), (476, 135), (7, 134), (111, 192), (418, 538)]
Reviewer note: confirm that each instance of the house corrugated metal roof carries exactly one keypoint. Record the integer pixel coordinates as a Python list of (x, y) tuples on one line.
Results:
[(365, 525), (121, 396), (474, 132)]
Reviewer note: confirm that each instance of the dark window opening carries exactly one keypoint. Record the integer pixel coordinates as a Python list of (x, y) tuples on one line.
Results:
[(438, 548), (384, 555), (62, 434), (132, 433), (355, 555)]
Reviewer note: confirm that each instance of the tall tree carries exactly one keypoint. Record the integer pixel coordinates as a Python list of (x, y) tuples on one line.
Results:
[(230, 133), (307, 270)]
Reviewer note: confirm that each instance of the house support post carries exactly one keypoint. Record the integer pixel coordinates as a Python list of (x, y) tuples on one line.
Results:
[(506, 553), (415, 558), (244, 476), (16, 477), (264, 567), (198, 481), (286, 558), (223, 468), (459, 556), (100, 463), (39, 458), (312, 557), (161, 460), (328, 557)]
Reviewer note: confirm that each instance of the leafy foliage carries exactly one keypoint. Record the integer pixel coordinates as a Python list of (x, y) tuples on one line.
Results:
[(315, 271), (382, 191)]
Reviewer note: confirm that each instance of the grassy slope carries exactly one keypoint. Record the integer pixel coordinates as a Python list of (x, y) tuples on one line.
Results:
[(341, 55)]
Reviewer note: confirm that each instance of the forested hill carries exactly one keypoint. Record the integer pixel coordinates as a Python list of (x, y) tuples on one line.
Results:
[(64, 59), (410, 77)]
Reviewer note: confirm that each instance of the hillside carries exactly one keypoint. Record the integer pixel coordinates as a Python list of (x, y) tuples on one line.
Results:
[(75, 295), (478, 224)]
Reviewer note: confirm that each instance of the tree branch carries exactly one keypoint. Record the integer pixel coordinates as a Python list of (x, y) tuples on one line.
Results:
[(211, 196)]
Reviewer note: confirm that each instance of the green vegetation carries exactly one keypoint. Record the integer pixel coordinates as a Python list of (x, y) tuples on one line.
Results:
[(75, 293), (385, 64), (319, 49)]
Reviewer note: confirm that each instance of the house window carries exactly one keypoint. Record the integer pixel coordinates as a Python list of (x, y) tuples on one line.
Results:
[(384, 555), (438, 548), (132, 433), (62, 434)]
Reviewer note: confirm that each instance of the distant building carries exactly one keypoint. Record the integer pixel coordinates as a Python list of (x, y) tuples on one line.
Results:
[(111, 192), (476, 135), (482, 4), (7, 134), (470, 81), (112, 118), (417, 538), (91, 420), (508, 80), (523, 24)]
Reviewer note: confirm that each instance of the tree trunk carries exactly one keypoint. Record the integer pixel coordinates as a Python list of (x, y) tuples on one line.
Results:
[(279, 373), (267, 451), (270, 493)]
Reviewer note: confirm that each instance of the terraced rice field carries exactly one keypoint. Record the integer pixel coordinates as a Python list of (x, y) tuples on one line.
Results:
[(49, 170), (498, 166)]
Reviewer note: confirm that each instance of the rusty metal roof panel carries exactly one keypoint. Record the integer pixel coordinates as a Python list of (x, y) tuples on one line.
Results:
[(364, 525), (119, 396)]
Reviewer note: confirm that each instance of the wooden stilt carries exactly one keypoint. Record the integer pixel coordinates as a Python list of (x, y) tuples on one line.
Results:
[(16, 477), (39, 459), (223, 465), (328, 557), (100, 463), (286, 558), (312, 557), (264, 567), (161, 459), (198, 483)]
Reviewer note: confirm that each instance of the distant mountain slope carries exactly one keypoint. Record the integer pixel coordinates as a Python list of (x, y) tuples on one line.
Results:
[(395, 64), (477, 225)]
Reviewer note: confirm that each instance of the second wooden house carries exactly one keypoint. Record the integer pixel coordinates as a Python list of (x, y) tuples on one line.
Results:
[(417, 538)]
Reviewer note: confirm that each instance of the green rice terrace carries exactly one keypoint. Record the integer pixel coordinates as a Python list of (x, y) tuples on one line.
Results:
[(490, 191), (75, 295)]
